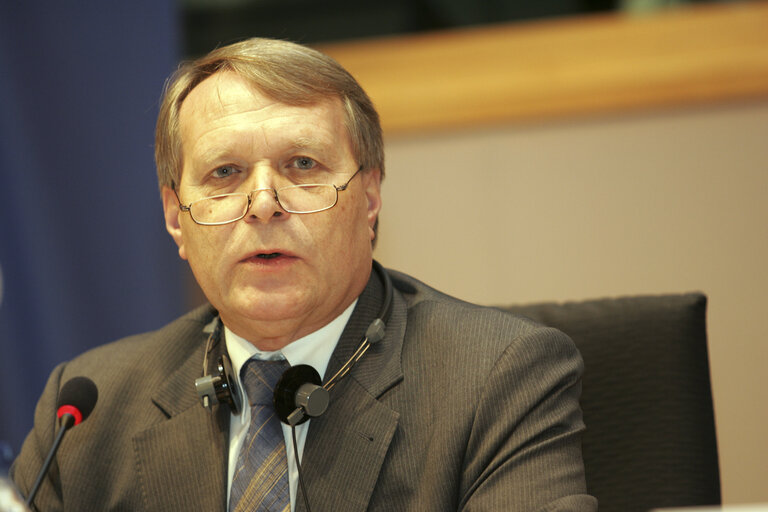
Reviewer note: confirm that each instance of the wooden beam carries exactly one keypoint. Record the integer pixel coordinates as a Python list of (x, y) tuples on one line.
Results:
[(566, 67)]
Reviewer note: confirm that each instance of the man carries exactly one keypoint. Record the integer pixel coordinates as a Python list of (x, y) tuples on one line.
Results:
[(270, 160)]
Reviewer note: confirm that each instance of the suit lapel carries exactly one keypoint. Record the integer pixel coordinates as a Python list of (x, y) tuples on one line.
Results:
[(346, 447), (181, 461)]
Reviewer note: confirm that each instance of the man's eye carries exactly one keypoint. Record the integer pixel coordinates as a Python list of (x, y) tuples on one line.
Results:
[(224, 172), (304, 162)]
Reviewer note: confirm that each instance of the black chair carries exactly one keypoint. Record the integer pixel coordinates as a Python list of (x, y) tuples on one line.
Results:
[(647, 402)]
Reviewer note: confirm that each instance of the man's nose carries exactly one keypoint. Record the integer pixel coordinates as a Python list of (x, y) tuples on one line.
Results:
[(264, 205), (263, 198)]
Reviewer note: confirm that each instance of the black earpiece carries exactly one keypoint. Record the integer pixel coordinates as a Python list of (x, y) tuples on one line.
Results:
[(300, 395), (221, 388)]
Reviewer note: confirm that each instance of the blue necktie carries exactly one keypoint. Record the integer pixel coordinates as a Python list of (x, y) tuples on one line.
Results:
[(260, 482)]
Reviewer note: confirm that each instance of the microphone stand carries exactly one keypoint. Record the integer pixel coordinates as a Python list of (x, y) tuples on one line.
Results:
[(67, 421)]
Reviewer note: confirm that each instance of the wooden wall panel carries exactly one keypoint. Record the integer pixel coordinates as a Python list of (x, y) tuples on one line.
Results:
[(573, 66)]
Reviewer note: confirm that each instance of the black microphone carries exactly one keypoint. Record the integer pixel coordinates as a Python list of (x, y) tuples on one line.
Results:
[(76, 401)]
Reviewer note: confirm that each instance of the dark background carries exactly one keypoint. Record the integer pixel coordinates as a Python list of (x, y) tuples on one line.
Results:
[(83, 251)]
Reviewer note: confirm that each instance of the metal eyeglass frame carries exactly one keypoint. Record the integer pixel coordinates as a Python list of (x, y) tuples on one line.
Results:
[(275, 192)]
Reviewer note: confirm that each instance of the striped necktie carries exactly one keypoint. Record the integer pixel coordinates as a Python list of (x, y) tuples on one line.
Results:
[(260, 482)]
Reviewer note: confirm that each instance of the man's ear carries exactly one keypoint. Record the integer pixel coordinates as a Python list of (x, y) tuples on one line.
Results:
[(172, 224), (372, 184)]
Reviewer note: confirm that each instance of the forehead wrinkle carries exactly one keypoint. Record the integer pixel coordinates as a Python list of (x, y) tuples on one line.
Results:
[(214, 154), (285, 141), (215, 149), (227, 148), (308, 142)]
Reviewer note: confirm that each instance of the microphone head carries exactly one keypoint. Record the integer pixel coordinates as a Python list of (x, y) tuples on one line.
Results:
[(77, 397), (376, 331)]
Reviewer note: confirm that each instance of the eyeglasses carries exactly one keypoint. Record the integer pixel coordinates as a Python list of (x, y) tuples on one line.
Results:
[(226, 208)]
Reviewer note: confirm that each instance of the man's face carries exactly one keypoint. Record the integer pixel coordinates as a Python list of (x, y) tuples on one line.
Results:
[(273, 276)]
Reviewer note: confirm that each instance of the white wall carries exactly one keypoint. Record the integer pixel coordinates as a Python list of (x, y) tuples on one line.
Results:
[(646, 203)]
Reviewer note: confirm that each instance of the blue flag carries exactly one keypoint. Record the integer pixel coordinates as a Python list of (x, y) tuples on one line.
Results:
[(84, 256)]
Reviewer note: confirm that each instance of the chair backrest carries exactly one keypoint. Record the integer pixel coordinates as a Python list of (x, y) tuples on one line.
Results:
[(647, 402)]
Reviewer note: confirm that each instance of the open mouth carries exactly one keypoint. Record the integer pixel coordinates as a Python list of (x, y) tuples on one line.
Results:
[(268, 259), (269, 256)]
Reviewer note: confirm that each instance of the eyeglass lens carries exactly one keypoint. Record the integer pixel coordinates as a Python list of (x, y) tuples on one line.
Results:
[(294, 199)]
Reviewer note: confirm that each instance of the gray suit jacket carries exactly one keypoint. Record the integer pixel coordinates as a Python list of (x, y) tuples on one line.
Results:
[(459, 407)]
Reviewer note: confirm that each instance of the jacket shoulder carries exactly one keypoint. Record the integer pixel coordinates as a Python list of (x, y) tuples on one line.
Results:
[(167, 347), (436, 308)]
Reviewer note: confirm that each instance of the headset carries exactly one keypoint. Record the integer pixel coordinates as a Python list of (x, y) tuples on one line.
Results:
[(299, 394)]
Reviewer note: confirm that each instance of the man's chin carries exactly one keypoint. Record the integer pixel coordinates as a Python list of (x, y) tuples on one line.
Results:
[(272, 306)]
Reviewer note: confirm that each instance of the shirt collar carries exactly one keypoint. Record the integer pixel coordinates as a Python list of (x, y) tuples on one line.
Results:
[(314, 349)]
